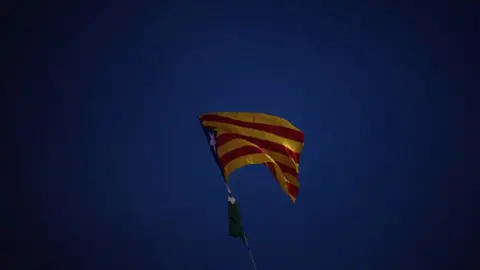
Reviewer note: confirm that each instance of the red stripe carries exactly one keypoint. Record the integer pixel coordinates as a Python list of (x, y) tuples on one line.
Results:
[(288, 133), (271, 167), (249, 150), (284, 169), (265, 144), (287, 169), (242, 151), (292, 190)]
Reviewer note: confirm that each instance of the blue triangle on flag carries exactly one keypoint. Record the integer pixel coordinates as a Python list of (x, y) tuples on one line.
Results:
[(211, 136)]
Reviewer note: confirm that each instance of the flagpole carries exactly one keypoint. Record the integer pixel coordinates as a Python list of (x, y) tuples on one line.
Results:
[(244, 236), (250, 252)]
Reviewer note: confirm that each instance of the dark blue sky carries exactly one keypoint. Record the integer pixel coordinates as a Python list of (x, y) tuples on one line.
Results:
[(112, 170)]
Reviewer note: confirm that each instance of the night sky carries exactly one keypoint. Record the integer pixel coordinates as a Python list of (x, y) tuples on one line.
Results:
[(111, 169)]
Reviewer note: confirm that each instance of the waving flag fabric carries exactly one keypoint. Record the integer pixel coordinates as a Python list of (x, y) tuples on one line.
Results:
[(235, 227), (238, 139)]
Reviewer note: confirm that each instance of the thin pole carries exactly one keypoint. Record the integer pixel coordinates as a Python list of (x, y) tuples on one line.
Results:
[(250, 251), (244, 235)]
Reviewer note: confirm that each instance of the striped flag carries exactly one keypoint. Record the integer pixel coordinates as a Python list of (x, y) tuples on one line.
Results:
[(238, 139)]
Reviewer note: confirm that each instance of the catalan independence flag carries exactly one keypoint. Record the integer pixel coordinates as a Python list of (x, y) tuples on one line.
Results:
[(238, 139)]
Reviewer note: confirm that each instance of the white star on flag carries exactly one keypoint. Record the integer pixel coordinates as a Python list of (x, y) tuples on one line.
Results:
[(231, 199), (212, 141)]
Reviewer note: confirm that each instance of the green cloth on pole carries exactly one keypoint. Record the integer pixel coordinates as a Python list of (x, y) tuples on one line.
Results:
[(234, 219)]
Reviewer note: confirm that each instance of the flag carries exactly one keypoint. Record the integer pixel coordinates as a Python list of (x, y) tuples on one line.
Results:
[(235, 227), (238, 139)]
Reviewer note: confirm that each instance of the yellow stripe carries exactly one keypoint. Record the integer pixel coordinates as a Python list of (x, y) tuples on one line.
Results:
[(260, 159), (229, 128), (257, 118), (237, 143), (292, 179)]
